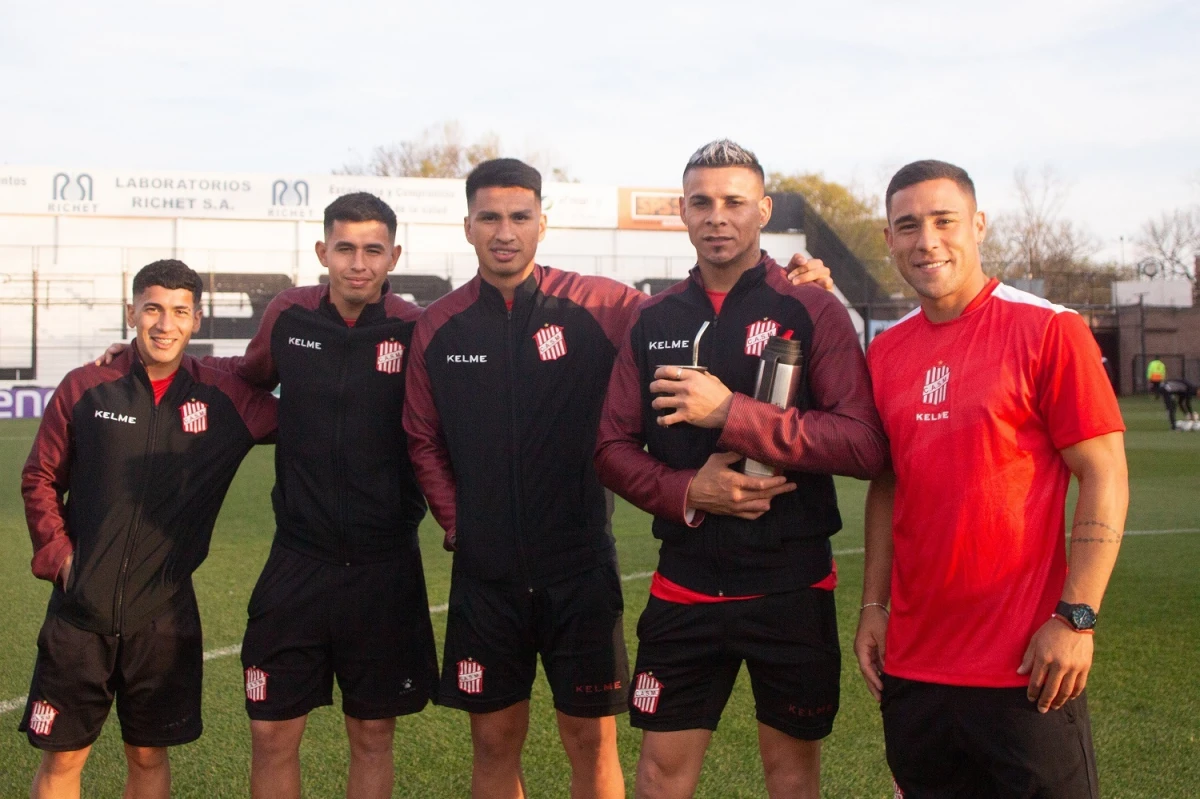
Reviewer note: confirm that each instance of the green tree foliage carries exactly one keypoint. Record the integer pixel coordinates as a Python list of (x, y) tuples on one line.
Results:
[(856, 217)]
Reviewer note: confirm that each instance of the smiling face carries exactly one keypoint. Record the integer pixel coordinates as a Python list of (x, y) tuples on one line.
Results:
[(724, 208), (164, 321), (505, 224), (359, 256), (933, 233)]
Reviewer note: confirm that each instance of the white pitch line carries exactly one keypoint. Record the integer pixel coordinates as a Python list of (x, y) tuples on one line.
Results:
[(13, 704), (10, 705)]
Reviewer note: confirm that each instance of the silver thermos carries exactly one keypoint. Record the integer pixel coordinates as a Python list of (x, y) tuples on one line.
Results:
[(779, 371)]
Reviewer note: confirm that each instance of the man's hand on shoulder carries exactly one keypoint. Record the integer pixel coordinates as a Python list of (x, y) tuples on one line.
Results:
[(112, 353), (803, 270), (1057, 661), (718, 489)]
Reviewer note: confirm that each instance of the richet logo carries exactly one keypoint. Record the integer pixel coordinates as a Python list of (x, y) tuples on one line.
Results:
[(63, 190), (293, 193)]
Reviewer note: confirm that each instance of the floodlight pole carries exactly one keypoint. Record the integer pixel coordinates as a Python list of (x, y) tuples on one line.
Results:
[(1142, 331)]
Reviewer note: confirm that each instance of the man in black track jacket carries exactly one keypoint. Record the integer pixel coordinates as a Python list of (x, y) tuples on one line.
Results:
[(745, 568), (122, 488), (505, 382), (342, 593)]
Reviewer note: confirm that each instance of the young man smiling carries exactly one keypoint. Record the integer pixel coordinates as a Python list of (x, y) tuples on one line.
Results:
[(122, 488), (342, 594), (991, 399), (745, 569)]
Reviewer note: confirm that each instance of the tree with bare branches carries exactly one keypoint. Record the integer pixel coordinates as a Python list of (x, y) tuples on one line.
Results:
[(1173, 241), (443, 151)]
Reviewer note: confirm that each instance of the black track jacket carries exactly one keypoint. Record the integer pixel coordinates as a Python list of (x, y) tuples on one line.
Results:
[(834, 429), (133, 489), (344, 488), (501, 418)]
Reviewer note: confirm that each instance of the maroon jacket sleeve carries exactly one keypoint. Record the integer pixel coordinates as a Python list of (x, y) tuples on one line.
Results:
[(426, 444), (47, 472), (614, 305), (257, 366), (257, 407), (841, 433), (621, 459)]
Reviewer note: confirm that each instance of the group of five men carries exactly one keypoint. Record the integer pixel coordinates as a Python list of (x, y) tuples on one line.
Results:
[(508, 405)]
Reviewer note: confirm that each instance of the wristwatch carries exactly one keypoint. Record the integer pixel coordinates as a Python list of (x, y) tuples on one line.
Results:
[(1080, 618)]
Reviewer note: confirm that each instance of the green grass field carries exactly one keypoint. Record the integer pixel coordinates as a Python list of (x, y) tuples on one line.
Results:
[(1144, 694)]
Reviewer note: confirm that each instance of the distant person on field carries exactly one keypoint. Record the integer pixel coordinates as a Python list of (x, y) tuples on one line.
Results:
[(972, 631), (122, 487), (1156, 372), (1177, 392)]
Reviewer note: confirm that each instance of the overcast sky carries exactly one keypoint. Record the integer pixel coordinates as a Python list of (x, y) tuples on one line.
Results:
[(1105, 92)]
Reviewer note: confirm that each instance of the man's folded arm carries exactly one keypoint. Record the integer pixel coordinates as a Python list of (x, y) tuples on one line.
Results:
[(840, 434)]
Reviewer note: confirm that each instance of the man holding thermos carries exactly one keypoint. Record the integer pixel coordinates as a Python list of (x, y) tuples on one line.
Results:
[(745, 569)]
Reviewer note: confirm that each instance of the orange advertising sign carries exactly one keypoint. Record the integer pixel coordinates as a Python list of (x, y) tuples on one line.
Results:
[(648, 209)]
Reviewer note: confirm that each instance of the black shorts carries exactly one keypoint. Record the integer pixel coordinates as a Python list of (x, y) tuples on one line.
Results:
[(949, 740), (495, 631), (155, 674), (689, 657), (366, 624)]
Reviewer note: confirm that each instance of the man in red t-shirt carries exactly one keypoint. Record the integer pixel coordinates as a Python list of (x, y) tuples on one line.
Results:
[(991, 399)]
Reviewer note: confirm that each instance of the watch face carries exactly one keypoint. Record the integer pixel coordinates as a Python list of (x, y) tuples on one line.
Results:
[(1083, 617)]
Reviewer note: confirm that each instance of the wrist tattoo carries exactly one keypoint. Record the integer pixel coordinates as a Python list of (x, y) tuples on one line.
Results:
[(1110, 540)]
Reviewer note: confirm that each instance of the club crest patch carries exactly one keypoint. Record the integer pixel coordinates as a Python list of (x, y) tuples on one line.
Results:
[(256, 684), (195, 416), (41, 718), (646, 692), (551, 342), (758, 334), (470, 676), (389, 357), (936, 380)]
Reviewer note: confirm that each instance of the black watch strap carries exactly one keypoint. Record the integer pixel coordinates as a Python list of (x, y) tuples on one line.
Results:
[(1080, 616)]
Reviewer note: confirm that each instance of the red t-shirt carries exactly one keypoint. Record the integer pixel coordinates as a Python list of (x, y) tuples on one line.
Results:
[(717, 298), (976, 410), (671, 591), (160, 387)]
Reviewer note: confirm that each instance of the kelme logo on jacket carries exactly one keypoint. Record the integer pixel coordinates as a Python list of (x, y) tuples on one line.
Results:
[(389, 357), (757, 335), (195, 416), (551, 343)]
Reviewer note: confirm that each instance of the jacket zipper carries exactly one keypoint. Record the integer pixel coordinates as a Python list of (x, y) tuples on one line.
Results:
[(339, 456), (515, 482), (131, 539), (714, 544)]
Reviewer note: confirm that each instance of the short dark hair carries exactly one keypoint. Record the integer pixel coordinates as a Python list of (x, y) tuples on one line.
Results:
[(929, 169), (360, 206), (504, 173), (170, 274), (723, 153)]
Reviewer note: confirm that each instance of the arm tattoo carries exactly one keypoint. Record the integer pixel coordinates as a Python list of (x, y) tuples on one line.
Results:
[(1115, 538)]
